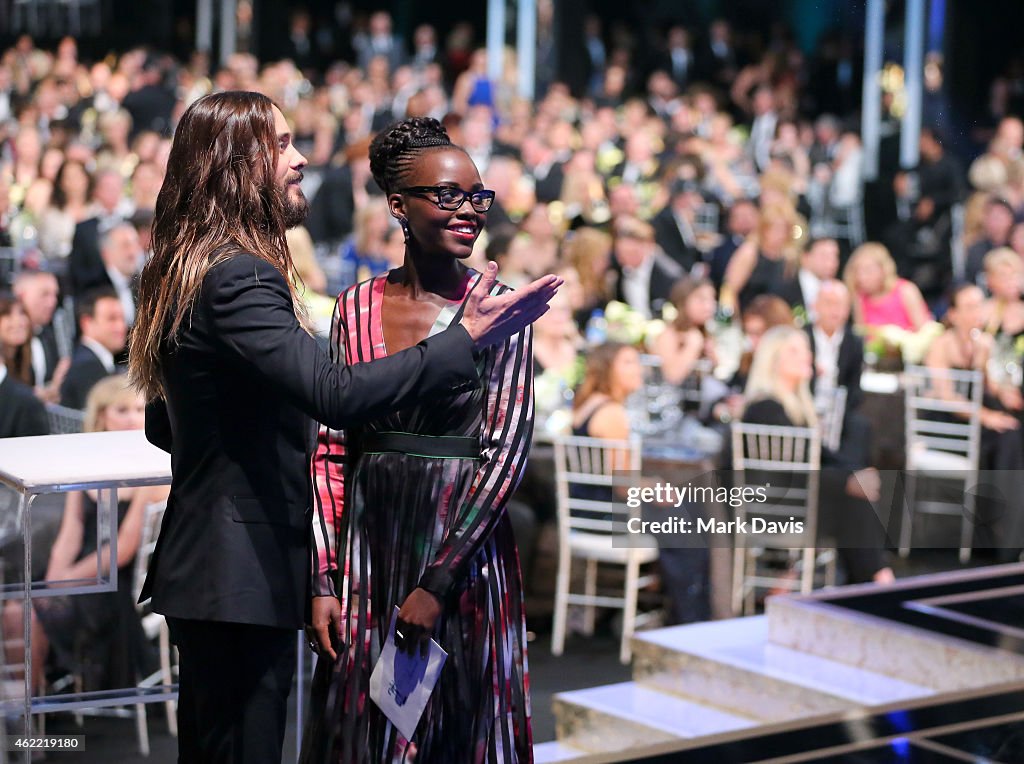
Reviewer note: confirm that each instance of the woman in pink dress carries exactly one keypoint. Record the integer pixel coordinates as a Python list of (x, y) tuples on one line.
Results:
[(881, 298)]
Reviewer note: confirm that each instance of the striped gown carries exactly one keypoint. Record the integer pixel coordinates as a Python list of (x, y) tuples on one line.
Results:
[(388, 522)]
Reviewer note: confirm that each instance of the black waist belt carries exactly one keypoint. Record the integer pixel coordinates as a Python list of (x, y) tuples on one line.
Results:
[(436, 446)]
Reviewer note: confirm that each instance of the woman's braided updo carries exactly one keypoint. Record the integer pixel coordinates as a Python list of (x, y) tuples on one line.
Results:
[(395, 148)]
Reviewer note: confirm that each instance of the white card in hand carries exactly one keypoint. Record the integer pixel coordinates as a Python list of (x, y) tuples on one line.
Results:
[(401, 684)]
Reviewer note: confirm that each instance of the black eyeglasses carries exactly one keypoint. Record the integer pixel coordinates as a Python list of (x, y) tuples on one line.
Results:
[(451, 198)]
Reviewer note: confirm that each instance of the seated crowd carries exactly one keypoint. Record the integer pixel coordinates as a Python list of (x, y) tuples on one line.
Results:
[(699, 213)]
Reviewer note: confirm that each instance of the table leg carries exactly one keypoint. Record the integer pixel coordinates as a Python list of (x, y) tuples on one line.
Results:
[(24, 507), (106, 504)]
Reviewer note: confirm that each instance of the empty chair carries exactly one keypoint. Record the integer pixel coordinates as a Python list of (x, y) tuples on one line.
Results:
[(591, 528), (943, 425)]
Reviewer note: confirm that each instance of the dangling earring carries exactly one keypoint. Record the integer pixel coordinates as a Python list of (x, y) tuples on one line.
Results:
[(405, 229)]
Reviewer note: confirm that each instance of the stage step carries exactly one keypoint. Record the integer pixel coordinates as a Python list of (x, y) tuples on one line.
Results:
[(928, 659), (556, 751), (731, 665), (616, 717)]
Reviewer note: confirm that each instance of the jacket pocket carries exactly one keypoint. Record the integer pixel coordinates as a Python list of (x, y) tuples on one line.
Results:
[(264, 511)]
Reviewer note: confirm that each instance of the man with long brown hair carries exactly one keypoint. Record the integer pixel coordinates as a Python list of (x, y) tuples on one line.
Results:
[(220, 349)]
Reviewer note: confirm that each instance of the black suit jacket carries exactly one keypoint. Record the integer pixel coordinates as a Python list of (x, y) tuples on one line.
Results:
[(85, 268), (85, 371), (331, 209), (791, 291), (549, 188), (242, 386), (851, 364), (664, 274), (51, 352), (21, 413), (670, 239)]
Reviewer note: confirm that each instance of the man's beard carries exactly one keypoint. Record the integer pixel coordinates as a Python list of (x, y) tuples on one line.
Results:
[(295, 206)]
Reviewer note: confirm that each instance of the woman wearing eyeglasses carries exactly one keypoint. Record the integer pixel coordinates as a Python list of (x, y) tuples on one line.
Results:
[(411, 506)]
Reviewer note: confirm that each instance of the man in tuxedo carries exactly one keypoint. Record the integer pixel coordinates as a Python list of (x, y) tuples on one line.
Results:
[(819, 263), (678, 60), (151, 103), (718, 63), (838, 351), (644, 275), (547, 172), (762, 129), (674, 226), (122, 256), (235, 382), (740, 223), (85, 266), (37, 292), (838, 362), (424, 47), (379, 41), (103, 332), (996, 226), (21, 413)]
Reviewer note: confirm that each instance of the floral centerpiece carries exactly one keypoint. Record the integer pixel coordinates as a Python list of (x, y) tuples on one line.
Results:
[(888, 348), (630, 327), (553, 393)]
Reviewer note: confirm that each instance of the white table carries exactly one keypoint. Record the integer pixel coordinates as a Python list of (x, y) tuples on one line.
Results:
[(102, 461)]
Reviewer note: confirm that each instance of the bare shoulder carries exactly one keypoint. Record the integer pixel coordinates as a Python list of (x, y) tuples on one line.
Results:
[(610, 421)]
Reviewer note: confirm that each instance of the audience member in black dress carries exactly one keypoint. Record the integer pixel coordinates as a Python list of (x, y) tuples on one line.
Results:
[(613, 374), (764, 260), (965, 347), (778, 393)]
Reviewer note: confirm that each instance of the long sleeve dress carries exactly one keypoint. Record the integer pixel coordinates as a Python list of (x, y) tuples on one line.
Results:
[(388, 518)]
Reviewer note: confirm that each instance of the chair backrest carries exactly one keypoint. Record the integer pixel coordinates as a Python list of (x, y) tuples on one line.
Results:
[(64, 420), (831, 408), (943, 410), (585, 470), (786, 463), (147, 545)]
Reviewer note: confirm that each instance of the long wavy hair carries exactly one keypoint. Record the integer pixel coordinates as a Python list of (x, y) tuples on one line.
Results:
[(764, 379), (219, 198), (17, 359)]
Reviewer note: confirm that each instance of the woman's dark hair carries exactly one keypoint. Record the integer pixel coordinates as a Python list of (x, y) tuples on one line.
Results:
[(220, 197), (679, 295), (17, 359), (58, 198), (957, 289), (393, 150), (598, 376), (953, 296)]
